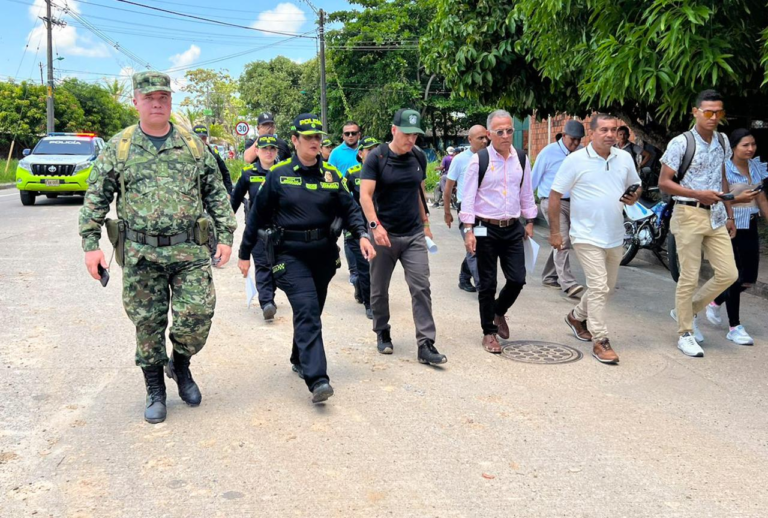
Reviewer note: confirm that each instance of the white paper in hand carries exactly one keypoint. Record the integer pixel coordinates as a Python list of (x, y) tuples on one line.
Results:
[(531, 249), (250, 290)]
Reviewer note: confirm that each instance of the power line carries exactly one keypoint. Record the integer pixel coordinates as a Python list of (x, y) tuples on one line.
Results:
[(219, 22)]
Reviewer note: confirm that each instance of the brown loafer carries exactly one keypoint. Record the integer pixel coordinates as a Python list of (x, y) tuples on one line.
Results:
[(578, 327), (491, 345), (500, 321), (603, 352)]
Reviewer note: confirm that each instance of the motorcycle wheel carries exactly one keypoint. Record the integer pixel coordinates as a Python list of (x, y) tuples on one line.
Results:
[(674, 264), (630, 247)]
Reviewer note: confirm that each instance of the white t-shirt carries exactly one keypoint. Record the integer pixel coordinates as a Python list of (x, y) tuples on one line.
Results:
[(596, 186)]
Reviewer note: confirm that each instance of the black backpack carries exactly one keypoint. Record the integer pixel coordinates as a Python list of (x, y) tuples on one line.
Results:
[(690, 151), (382, 153), (484, 160)]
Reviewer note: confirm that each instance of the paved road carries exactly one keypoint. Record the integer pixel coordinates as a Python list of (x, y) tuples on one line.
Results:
[(660, 435)]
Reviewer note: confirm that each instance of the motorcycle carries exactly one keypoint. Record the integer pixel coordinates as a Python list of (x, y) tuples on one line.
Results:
[(646, 225)]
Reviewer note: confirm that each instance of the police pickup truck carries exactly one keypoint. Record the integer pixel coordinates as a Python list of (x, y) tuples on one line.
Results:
[(59, 165)]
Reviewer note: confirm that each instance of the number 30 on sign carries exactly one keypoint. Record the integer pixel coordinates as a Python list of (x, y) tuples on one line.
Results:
[(242, 128)]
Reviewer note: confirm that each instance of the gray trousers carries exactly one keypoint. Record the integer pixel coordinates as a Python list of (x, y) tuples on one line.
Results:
[(469, 265), (411, 251), (558, 267)]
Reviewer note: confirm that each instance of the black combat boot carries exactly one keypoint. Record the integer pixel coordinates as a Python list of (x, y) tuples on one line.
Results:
[(178, 369), (155, 411)]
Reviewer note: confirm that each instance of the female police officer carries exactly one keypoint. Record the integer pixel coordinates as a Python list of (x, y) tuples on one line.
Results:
[(300, 199), (250, 181)]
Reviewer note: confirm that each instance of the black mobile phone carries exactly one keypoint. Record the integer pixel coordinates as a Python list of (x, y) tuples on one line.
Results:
[(632, 189), (103, 276), (759, 188), (727, 196)]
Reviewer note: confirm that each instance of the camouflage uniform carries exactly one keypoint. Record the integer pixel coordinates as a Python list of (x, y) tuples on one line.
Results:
[(161, 198)]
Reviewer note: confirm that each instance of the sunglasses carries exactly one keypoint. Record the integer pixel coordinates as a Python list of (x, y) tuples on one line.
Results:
[(503, 132), (708, 114), (351, 133)]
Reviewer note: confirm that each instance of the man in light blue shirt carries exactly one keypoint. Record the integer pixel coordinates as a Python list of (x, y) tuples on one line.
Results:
[(345, 156), (478, 139), (557, 271)]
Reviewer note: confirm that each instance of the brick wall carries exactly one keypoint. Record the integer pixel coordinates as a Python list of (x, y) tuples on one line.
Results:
[(537, 134)]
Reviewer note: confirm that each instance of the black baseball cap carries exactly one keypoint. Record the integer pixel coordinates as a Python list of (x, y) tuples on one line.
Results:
[(248, 143), (408, 121), (308, 124), (266, 118), (200, 130), (267, 141)]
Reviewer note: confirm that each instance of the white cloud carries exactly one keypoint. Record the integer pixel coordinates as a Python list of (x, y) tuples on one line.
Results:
[(283, 18), (185, 58), (299, 61), (66, 40)]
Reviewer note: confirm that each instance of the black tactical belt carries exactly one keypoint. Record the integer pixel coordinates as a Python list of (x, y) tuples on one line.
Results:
[(694, 204), (305, 236), (157, 241)]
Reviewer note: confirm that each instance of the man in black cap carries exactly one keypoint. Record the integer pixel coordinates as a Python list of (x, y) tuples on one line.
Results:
[(393, 199), (557, 271), (266, 126), (202, 132), (301, 198)]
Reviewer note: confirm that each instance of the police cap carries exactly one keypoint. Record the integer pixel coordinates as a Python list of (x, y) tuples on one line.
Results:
[(200, 130), (308, 124)]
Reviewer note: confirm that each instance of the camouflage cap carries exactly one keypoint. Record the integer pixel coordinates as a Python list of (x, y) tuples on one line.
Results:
[(151, 81)]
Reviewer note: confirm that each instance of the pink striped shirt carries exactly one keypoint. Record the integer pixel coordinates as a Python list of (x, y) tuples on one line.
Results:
[(500, 196)]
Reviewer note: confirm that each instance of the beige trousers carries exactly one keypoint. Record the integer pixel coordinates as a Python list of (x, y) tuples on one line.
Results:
[(601, 268), (694, 233)]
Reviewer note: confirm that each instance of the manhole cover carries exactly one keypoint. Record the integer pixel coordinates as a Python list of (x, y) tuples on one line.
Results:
[(548, 353)]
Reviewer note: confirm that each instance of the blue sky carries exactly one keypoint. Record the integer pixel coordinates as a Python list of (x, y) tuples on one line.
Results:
[(165, 41)]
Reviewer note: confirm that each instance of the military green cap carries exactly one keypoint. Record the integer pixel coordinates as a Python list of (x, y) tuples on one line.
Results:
[(408, 121), (327, 142), (368, 143), (151, 81), (308, 124), (267, 141)]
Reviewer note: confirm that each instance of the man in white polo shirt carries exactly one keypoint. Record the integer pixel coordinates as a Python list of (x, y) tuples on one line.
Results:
[(598, 178)]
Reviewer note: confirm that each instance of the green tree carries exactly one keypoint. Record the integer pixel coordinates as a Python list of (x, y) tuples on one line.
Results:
[(215, 91), (102, 114), (643, 59), (282, 87)]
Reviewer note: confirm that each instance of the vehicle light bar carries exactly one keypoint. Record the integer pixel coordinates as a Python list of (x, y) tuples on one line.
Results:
[(63, 134)]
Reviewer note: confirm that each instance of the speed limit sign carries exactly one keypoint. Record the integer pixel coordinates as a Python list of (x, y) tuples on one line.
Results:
[(242, 128)]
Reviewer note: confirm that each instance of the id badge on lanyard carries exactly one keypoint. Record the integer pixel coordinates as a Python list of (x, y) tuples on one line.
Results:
[(480, 230)]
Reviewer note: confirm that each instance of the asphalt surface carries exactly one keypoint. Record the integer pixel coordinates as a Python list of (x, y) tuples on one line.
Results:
[(660, 435)]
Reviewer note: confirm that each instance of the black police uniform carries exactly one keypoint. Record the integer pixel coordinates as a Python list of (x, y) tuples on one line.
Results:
[(363, 281), (304, 201), (251, 179), (225, 176)]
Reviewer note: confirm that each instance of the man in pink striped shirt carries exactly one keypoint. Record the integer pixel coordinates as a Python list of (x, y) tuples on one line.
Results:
[(494, 200)]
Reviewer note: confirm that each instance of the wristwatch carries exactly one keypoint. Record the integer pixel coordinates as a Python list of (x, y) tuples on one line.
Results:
[(468, 229), (373, 224)]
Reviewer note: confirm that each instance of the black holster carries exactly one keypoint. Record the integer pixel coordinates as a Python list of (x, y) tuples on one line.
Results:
[(272, 237)]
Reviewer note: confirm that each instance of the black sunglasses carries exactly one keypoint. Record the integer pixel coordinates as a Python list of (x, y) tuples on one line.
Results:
[(351, 133)]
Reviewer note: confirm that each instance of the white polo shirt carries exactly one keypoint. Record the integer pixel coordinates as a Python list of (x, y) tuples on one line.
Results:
[(596, 186)]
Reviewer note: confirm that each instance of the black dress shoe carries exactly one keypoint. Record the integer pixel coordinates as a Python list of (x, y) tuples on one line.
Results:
[(298, 370), (321, 392), (467, 287)]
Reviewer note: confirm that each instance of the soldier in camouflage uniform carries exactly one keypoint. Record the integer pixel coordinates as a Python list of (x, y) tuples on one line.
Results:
[(164, 181)]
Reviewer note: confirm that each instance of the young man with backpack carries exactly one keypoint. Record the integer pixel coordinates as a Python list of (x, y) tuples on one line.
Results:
[(497, 192), (693, 172), (395, 206)]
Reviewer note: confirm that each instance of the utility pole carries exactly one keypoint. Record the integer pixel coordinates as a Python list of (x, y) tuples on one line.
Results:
[(323, 91), (42, 83), (49, 98)]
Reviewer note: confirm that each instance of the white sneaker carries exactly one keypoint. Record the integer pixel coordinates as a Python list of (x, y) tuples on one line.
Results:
[(713, 315), (688, 345), (696, 331), (740, 336)]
